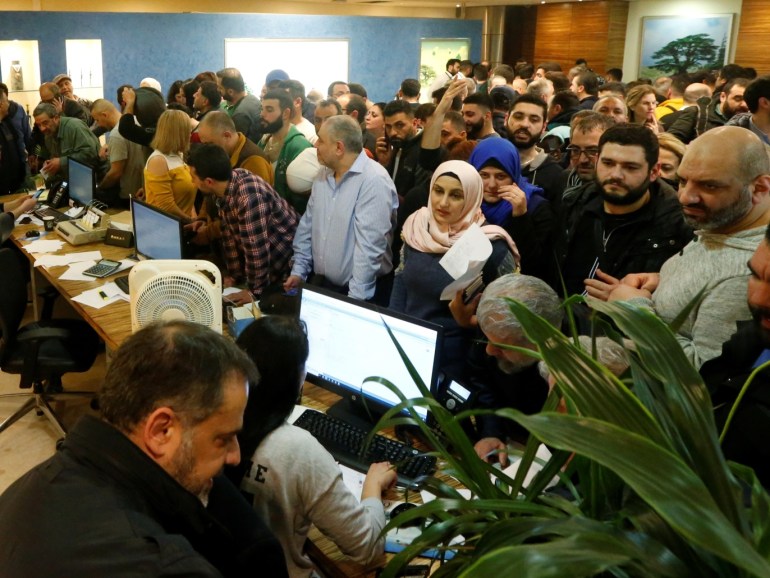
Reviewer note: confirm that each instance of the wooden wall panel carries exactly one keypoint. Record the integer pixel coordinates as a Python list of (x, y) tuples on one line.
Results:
[(591, 30), (753, 36)]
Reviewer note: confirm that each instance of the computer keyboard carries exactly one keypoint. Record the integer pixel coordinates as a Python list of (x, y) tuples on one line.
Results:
[(43, 211), (346, 443)]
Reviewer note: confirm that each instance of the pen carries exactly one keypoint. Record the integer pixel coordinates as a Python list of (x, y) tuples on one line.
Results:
[(103, 295)]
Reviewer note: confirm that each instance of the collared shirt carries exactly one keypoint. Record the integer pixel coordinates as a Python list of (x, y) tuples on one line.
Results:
[(257, 231), (346, 230)]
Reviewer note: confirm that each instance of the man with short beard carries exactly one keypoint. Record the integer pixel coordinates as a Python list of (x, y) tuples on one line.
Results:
[(503, 377), (628, 220), (526, 125), (725, 375), (724, 190), (477, 112), (282, 142)]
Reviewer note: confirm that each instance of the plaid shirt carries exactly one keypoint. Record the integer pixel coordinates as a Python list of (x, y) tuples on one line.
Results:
[(257, 231)]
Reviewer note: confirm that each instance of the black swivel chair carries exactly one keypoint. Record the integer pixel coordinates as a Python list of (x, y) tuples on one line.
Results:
[(42, 351)]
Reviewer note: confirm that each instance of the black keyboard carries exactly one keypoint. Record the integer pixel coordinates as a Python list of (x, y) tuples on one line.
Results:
[(347, 444), (122, 283), (44, 211)]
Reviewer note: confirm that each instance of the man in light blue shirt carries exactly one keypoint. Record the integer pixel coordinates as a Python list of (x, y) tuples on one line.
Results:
[(343, 241)]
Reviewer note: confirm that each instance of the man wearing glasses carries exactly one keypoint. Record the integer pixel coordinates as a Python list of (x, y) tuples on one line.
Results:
[(625, 219)]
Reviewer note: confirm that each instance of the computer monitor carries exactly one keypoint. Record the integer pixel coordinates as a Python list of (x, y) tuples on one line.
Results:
[(349, 343), (157, 234), (81, 183)]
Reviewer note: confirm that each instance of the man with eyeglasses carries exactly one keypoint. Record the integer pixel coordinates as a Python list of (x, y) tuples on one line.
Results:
[(628, 220)]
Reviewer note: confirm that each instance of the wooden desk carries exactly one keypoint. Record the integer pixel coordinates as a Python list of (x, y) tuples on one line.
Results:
[(323, 551), (113, 322)]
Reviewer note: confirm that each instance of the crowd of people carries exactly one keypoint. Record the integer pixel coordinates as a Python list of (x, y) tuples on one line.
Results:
[(655, 191)]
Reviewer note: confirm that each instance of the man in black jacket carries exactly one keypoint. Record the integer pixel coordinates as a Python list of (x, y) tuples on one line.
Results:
[(628, 221), (748, 348), (139, 492)]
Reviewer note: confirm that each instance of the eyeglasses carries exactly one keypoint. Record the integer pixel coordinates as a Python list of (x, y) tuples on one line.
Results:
[(590, 152)]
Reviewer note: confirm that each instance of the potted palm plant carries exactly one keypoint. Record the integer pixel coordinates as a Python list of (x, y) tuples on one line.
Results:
[(645, 489)]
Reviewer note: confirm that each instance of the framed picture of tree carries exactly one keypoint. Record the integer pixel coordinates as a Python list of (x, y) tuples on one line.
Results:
[(678, 44)]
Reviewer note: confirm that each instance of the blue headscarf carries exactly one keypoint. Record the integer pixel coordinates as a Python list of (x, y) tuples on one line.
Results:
[(505, 156)]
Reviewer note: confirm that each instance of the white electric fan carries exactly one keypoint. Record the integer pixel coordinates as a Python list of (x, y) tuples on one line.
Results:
[(167, 289)]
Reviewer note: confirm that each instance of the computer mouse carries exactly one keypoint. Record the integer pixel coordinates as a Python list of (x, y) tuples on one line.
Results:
[(33, 233), (400, 509), (25, 221)]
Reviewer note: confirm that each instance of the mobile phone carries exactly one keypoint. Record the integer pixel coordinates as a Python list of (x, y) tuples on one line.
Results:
[(102, 268), (476, 287)]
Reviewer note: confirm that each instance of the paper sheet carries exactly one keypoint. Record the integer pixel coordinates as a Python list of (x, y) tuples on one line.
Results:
[(465, 260), (101, 296), (43, 246), (75, 271), (541, 456), (61, 260)]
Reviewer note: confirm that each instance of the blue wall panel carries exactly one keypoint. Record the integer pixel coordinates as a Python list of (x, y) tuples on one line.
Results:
[(383, 51)]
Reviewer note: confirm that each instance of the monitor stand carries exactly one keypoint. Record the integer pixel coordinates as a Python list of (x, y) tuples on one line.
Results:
[(355, 413)]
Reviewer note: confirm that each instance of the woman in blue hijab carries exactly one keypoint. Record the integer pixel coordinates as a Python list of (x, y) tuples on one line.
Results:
[(520, 208)]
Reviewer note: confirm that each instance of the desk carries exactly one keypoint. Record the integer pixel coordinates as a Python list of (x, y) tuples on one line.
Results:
[(113, 322), (323, 551)]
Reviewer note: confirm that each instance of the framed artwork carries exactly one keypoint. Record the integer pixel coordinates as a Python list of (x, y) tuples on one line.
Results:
[(434, 52), (679, 44)]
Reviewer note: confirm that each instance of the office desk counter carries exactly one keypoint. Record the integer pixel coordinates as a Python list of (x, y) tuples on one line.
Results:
[(112, 322)]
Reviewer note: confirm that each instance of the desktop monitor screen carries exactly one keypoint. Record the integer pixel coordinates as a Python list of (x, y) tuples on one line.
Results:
[(81, 182), (158, 235), (349, 342)]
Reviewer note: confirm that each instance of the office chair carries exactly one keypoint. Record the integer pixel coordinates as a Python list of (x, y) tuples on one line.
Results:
[(42, 351)]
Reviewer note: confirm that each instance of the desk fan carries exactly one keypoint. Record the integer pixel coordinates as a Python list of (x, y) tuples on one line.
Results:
[(167, 289)]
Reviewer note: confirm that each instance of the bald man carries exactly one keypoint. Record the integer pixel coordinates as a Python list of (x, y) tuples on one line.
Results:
[(724, 192), (692, 93)]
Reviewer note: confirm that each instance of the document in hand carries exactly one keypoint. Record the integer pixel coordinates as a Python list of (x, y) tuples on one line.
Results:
[(465, 260)]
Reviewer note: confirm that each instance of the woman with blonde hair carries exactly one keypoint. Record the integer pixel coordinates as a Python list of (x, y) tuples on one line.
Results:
[(642, 102), (669, 157), (167, 181)]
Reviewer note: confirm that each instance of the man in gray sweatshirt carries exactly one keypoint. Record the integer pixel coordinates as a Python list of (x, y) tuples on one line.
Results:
[(724, 191)]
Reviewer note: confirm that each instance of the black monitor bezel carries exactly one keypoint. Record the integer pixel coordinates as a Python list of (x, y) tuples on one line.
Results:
[(74, 201), (166, 214), (356, 397)]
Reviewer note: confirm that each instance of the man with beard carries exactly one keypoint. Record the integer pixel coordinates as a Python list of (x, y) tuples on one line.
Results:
[(628, 220), (696, 120), (526, 125), (477, 112), (343, 239), (140, 490), (725, 375), (724, 190), (282, 142), (502, 377), (242, 107)]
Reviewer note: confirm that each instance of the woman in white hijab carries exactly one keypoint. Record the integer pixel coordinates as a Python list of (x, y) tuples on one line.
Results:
[(453, 206)]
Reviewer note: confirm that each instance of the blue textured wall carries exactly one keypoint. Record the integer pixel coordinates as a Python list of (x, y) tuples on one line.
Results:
[(383, 51)]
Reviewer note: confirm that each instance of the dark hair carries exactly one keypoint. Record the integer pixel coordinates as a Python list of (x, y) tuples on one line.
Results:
[(616, 87), (329, 102), (566, 99), (757, 88), (121, 102), (550, 66), (211, 91), (358, 89), (283, 98), (172, 91), (4, 88), (210, 161), (178, 364), (183, 107), (731, 71), (410, 87), (589, 81), (479, 99), (424, 111), (396, 106), (452, 62), (278, 346), (559, 79), (480, 72), (703, 76), (358, 104), (616, 74), (679, 82), (527, 98), (627, 134), (295, 88), (206, 75), (230, 78), (331, 86), (525, 70), (505, 71), (735, 82), (190, 88)]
